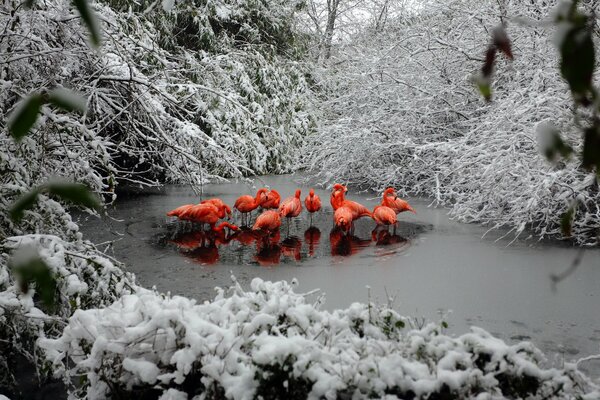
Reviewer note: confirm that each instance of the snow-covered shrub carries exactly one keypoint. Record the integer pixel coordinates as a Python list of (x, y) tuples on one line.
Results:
[(85, 278), (187, 92), (404, 112), (272, 342)]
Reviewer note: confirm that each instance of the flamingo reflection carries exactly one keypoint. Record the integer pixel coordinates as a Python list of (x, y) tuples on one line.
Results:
[(268, 250), (312, 236), (291, 246), (201, 246), (345, 244), (385, 238)]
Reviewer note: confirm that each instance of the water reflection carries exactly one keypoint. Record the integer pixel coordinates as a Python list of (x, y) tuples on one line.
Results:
[(343, 244), (246, 246), (312, 236)]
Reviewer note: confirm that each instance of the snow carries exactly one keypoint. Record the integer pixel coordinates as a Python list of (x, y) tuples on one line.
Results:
[(159, 340)]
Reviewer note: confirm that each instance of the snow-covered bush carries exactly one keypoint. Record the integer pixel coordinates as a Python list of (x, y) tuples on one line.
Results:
[(271, 342), (404, 112), (85, 278)]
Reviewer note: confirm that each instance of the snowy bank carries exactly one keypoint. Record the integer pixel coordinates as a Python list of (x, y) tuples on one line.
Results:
[(270, 342)]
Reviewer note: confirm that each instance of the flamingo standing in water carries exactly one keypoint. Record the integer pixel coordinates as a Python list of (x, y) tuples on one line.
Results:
[(203, 213), (291, 207), (385, 216), (179, 211), (267, 221), (220, 204), (271, 200), (343, 219), (246, 203), (333, 199), (357, 209), (390, 199), (312, 203)]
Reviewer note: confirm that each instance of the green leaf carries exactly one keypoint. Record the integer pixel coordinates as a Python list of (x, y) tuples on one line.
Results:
[(25, 202), (444, 325), (591, 148), (486, 90), (37, 272), (67, 100), (24, 116), (90, 20), (578, 60), (400, 324), (75, 193)]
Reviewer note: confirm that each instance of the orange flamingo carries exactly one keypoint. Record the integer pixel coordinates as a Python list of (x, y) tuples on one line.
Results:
[(333, 200), (384, 215), (391, 200), (343, 218), (268, 221), (203, 213), (291, 207), (180, 210), (246, 203), (312, 203), (357, 209), (223, 208), (271, 200)]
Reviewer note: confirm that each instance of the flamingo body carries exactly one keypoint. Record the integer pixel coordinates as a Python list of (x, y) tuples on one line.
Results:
[(268, 221), (343, 218), (179, 210), (390, 199), (291, 207), (357, 209), (271, 200), (384, 215), (312, 202), (333, 199), (223, 208)]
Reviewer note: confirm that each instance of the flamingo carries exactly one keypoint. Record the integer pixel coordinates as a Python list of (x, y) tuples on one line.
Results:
[(312, 203), (291, 207), (271, 200), (357, 209), (391, 200), (246, 203), (333, 200), (203, 213), (180, 210), (267, 221), (343, 218), (220, 205), (384, 215)]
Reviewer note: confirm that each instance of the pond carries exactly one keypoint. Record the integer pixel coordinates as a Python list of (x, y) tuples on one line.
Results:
[(430, 266)]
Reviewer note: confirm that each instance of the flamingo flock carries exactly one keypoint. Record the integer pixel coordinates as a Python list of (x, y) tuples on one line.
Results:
[(203, 246), (273, 210)]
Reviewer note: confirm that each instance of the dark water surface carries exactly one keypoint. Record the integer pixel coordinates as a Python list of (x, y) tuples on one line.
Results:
[(431, 265)]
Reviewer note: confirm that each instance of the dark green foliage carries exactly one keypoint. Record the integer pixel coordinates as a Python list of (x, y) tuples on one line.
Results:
[(75, 193), (24, 116), (90, 20), (277, 382), (35, 271)]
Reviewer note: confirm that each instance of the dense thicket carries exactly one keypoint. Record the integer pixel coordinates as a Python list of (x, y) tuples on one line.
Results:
[(404, 112), (186, 91)]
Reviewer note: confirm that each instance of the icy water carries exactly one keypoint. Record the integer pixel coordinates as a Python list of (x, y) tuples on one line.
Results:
[(430, 266)]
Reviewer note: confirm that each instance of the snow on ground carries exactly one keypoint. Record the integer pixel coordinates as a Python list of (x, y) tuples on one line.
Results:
[(270, 341)]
